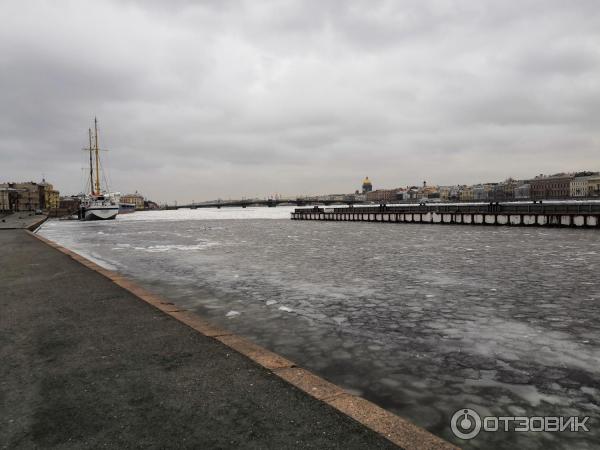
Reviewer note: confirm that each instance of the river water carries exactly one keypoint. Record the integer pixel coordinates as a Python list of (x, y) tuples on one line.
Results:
[(421, 319)]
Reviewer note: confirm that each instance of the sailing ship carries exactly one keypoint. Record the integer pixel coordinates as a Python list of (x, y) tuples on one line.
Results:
[(98, 204)]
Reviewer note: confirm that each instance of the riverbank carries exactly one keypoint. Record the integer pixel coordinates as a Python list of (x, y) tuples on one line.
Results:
[(96, 366), (24, 220)]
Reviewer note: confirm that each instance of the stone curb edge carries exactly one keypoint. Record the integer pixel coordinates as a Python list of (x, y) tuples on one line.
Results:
[(394, 428)]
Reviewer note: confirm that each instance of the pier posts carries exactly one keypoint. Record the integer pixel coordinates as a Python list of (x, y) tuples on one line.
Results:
[(561, 215)]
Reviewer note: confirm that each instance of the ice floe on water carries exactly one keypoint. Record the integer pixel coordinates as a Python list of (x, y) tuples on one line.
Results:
[(175, 247), (281, 212)]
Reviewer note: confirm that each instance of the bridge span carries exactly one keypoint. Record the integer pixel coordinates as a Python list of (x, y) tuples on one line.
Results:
[(271, 203), (559, 214)]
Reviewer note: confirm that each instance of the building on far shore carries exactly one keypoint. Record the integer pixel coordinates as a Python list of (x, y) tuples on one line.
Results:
[(8, 195), (481, 192), (561, 186), (70, 204), (382, 195), (51, 197), (134, 199), (523, 192), (579, 187), (466, 194), (580, 184), (551, 187), (503, 191), (594, 186), (28, 196)]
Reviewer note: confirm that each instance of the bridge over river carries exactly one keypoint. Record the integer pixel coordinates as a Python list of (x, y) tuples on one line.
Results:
[(563, 214), (267, 202)]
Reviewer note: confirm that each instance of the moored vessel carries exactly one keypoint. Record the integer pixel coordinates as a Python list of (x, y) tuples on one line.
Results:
[(126, 208), (98, 204)]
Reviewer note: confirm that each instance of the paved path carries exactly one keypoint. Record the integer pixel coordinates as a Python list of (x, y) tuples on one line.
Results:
[(87, 364), (24, 219)]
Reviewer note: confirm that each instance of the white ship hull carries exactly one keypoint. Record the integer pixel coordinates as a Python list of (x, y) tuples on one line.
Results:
[(100, 212), (98, 204)]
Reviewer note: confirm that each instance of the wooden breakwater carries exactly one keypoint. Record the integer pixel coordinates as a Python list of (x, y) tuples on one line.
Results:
[(573, 214)]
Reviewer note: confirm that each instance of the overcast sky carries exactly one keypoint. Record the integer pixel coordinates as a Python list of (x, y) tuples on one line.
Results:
[(200, 100)]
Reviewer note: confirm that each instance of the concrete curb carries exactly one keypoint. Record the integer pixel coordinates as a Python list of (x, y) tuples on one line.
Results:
[(36, 225), (396, 429)]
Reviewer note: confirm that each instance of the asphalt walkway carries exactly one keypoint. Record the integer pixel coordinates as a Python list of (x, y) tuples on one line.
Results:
[(20, 220)]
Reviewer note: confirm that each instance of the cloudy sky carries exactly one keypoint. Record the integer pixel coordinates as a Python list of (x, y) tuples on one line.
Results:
[(200, 100)]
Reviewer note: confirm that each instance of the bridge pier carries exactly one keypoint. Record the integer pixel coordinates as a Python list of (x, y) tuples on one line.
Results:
[(561, 215)]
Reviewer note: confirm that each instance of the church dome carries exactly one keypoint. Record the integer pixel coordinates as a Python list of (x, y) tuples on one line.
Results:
[(367, 186)]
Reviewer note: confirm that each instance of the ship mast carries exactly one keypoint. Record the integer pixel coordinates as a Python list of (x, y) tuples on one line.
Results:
[(91, 165), (97, 156)]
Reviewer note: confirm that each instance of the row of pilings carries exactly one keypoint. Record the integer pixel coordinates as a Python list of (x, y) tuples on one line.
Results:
[(577, 215)]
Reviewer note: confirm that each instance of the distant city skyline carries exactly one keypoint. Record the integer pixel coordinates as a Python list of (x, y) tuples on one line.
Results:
[(358, 188), (253, 98), (583, 185)]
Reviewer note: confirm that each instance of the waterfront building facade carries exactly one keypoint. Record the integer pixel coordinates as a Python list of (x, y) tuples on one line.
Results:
[(505, 190), (382, 195), (580, 184), (523, 192), (135, 199), (444, 193), (579, 187), (69, 203), (52, 198), (400, 194), (466, 194), (5, 204), (554, 187), (29, 195), (412, 193), (594, 186), (481, 192), (428, 191), (49, 197), (454, 193)]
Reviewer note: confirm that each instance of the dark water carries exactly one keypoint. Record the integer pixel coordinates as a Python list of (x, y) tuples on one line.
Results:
[(421, 319)]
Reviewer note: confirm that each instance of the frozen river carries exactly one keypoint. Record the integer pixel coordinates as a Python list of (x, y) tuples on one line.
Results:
[(421, 319)]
